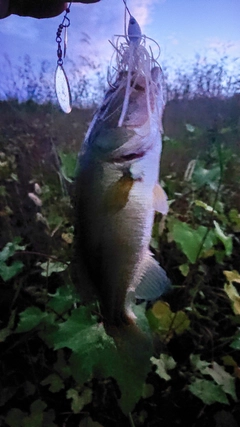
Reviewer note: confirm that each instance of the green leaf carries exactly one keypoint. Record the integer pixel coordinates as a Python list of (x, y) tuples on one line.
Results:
[(79, 400), (180, 322), (222, 378), (226, 240), (234, 296), (38, 406), (190, 128), (208, 392), (141, 319), (192, 240), (225, 130), (77, 332), (166, 322), (10, 249), (5, 332), (96, 355), (234, 217), (63, 299), (203, 176), (229, 361), (231, 291), (68, 165), (148, 390), (232, 276), (51, 267), (86, 338), (184, 268), (30, 318), (198, 364), (236, 342), (38, 416), (204, 206), (3, 191), (159, 317), (15, 417), (164, 363), (131, 366), (7, 272), (55, 381)]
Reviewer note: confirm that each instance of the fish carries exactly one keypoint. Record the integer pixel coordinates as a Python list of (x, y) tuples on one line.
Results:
[(116, 195), (117, 189)]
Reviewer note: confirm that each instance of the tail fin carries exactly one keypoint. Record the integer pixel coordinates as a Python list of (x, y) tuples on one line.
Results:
[(135, 349)]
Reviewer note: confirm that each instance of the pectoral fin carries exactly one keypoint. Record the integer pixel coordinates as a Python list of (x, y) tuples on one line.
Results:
[(117, 194), (154, 281), (160, 203)]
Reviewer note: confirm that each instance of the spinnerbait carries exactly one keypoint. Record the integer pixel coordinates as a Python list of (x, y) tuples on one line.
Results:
[(133, 58), (61, 81)]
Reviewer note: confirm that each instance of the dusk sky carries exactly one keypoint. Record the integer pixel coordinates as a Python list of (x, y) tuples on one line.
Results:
[(182, 28)]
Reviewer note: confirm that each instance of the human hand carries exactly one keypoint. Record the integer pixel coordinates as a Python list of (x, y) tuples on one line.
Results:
[(35, 8)]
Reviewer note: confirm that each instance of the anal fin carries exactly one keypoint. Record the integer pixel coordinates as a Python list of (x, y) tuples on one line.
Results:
[(154, 281)]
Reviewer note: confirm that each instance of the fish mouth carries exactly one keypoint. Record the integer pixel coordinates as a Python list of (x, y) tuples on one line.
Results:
[(141, 120), (129, 157), (141, 91)]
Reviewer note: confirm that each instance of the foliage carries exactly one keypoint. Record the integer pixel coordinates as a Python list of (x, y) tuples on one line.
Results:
[(207, 76), (58, 365), (166, 323), (9, 271), (203, 77)]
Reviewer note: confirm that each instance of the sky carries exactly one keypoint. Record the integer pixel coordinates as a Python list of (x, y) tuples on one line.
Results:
[(183, 28)]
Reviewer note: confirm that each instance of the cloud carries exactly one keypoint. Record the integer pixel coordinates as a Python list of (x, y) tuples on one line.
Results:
[(142, 10)]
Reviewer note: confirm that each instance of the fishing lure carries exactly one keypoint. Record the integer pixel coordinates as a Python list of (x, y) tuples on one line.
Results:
[(133, 58), (61, 81)]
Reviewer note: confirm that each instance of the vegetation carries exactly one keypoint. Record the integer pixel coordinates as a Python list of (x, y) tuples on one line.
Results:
[(58, 366), (210, 76)]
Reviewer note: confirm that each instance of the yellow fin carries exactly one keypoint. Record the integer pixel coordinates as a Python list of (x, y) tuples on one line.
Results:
[(160, 203)]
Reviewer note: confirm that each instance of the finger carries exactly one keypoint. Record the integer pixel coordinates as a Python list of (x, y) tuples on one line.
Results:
[(4, 5), (35, 8)]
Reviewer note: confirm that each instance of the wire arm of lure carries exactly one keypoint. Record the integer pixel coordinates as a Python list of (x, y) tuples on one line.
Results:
[(126, 8), (64, 25), (133, 38), (150, 48), (115, 47), (134, 60)]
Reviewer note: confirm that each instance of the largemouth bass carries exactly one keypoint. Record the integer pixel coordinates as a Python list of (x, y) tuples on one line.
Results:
[(117, 193)]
